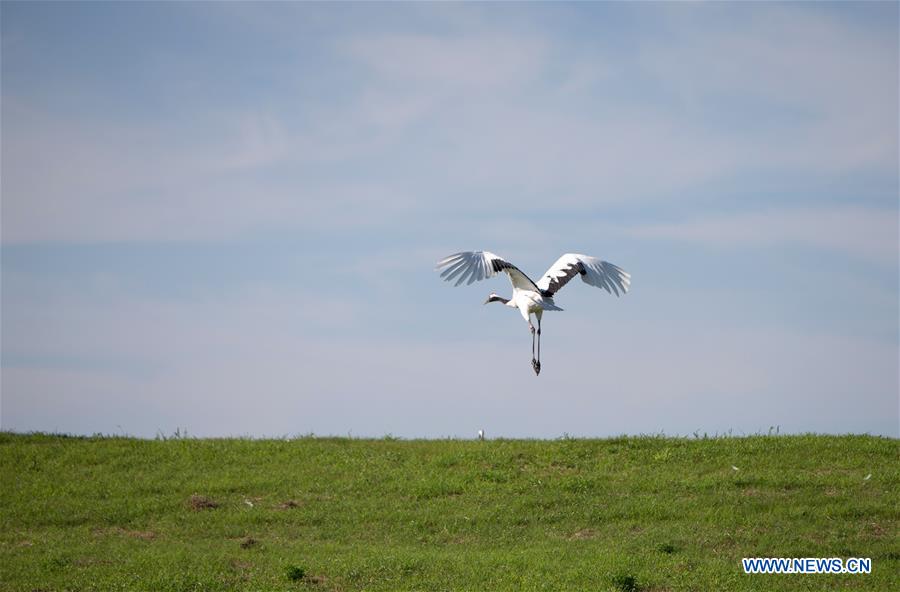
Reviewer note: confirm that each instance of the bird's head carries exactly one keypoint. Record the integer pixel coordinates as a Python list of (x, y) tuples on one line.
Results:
[(493, 298)]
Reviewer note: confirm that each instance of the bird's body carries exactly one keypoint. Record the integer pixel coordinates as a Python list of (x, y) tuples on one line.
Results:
[(531, 302), (528, 297)]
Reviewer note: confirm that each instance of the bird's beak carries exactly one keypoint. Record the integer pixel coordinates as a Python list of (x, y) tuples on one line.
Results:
[(488, 300)]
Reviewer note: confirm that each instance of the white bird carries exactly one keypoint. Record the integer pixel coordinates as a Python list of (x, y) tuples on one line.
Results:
[(530, 297)]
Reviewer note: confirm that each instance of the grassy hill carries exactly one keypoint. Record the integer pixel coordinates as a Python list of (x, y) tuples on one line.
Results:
[(631, 513)]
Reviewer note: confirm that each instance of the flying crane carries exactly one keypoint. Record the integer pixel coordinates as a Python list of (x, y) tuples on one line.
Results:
[(529, 297)]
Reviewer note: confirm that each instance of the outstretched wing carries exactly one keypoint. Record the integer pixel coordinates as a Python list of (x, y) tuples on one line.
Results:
[(470, 266), (593, 271)]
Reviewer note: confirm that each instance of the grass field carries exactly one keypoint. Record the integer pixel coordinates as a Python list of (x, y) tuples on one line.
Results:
[(626, 514)]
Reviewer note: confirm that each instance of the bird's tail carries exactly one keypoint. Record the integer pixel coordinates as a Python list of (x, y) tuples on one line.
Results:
[(548, 304)]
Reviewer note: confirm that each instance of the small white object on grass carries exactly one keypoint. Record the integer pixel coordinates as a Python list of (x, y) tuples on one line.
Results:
[(734, 468), (249, 503), (481, 434), (867, 477)]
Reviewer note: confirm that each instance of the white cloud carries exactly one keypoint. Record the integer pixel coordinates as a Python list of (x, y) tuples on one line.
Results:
[(497, 120), (869, 233), (100, 181), (839, 82), (458, 63), (829, 89)]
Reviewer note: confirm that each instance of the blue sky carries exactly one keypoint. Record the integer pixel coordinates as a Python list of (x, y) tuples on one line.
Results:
[(224, 217)]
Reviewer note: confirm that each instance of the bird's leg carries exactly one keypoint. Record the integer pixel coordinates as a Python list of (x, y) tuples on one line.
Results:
[(531, 327), (536, 364)]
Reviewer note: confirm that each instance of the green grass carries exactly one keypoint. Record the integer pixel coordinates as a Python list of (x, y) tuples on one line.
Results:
[(621, 514)]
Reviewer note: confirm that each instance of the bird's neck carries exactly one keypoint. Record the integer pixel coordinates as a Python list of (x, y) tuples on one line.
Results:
[(499, 299)]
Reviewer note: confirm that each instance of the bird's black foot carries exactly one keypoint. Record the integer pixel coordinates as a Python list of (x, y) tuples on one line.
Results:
[(536, 365)]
